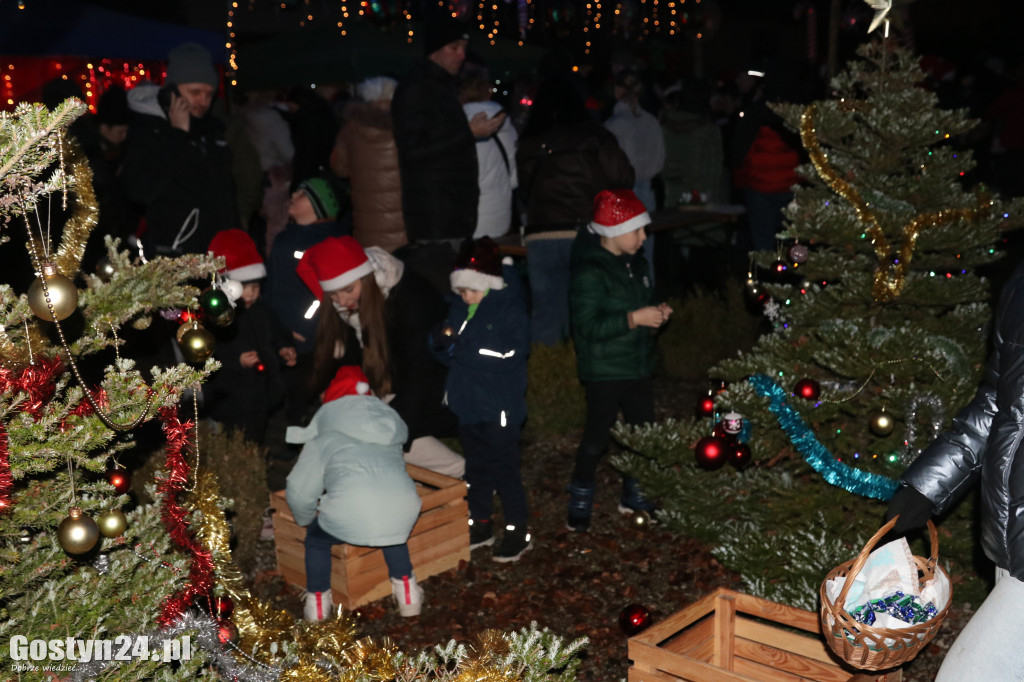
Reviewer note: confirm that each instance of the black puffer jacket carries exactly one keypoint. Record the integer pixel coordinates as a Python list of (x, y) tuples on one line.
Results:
[(563, 169), (985, 442), (436, 155)]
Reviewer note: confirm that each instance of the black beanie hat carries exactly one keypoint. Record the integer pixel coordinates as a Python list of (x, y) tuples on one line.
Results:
[(442, 28)]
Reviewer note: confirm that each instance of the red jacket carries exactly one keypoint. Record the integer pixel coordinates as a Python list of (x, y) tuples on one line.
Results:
[(770, 165)]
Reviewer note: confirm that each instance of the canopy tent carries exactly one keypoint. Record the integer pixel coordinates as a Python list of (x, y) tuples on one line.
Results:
[(88, 46), (69, 27), (320, 54)]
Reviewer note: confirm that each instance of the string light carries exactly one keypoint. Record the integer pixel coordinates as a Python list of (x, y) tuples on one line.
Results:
[(229, 28)]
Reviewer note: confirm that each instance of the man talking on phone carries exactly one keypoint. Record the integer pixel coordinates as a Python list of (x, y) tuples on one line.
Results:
[(177, 164)]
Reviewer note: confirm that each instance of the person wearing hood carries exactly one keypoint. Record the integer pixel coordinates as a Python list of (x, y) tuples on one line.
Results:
[(177, 165), (350, 485), (377, 313)]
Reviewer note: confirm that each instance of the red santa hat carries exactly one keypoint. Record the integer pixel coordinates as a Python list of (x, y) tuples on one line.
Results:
[(349, 380), (332, 264), (478, 266), (618, 211), (243, 261)]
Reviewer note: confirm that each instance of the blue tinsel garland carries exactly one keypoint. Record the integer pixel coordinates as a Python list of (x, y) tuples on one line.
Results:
[(817, 455)]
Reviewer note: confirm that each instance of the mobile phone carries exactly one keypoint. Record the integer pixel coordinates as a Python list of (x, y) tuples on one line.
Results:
[(163, 97)]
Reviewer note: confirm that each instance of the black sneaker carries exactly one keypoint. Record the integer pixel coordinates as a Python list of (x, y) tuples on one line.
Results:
[(514, 542), (481, 534)]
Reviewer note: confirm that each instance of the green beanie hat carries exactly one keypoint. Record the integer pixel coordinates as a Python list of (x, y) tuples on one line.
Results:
[(325, 203)]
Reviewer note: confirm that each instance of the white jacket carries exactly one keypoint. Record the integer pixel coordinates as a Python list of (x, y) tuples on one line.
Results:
[(496, 178), (640, 138)]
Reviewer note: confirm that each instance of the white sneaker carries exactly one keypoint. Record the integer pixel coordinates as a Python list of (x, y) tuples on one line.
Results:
[(408, 595), (319, 606)]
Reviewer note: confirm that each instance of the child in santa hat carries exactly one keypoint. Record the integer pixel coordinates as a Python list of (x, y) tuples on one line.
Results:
[(614, 318), (485, 341), (350, 485), (249, 384)]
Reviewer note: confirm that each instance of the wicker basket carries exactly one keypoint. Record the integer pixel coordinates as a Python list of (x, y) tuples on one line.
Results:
[(875, 648)]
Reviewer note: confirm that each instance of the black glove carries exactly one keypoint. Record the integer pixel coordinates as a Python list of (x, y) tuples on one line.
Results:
[(442, 339), (914, 510)]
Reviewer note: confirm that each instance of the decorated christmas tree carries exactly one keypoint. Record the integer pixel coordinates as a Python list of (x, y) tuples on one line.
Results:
[(879, 311), (92, 584)]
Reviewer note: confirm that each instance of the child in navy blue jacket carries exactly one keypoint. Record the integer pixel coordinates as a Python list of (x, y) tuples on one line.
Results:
[(485, 342)]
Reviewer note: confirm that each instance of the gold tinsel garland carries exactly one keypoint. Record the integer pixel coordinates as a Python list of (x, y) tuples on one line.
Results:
[(891, 271), (330, 641), (68, 259)]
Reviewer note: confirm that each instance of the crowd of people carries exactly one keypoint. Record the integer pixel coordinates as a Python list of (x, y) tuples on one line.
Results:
[(374, 306)]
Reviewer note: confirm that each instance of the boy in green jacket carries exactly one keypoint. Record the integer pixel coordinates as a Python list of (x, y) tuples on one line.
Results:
[(613, 323)]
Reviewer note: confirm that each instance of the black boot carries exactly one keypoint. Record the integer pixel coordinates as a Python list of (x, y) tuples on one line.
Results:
[(581, 502)]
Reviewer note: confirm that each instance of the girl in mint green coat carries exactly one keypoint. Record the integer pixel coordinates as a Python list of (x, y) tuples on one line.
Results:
[(350, 485)]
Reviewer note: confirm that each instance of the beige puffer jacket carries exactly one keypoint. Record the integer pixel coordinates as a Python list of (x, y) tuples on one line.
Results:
[(365, 153)]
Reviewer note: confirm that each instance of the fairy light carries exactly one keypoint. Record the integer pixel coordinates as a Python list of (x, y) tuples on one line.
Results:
[(229, 28), (494, 32), (344, 16), (408, 21)]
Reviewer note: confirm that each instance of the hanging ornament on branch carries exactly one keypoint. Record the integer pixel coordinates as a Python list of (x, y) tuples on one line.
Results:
[(798, 253), (881, 423), (77, 533), (112, 523), (52, 295), (120, 479), (217, 307), (196, 342)]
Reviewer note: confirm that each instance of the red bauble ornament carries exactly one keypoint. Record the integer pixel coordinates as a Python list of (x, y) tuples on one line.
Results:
[(120, 479), (739, 455), (808, 389), (706, 406), (633, 618), (711, 452), (226, 631)]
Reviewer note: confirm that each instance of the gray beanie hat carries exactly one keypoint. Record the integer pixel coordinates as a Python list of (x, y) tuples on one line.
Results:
[(191, 63)]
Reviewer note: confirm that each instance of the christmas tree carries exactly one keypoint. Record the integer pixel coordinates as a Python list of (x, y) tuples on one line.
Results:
[(93, 585), (879, 319)]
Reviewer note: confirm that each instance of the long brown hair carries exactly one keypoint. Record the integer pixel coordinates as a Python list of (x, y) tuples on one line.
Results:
[(332, 330)]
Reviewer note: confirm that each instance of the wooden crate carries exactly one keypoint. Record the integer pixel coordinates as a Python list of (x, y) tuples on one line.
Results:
[(728, 636), (439, 540)]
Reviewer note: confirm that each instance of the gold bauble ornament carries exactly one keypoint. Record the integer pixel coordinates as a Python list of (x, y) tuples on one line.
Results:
[(112, 523), (77, 533), (105, 269), (61, 291), (196, 344), (882, 423)]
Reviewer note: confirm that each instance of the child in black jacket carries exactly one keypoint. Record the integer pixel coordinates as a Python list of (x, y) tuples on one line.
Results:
[(249, 385), (485, 342)]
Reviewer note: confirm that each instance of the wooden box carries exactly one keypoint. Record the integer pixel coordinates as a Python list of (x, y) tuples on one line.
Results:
[(728, 636), (439, 540)]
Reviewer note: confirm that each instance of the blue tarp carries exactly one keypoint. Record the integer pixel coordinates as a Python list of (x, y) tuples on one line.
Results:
[(67, 27)]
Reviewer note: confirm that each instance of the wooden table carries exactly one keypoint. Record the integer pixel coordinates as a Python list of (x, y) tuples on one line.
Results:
[(709, 225)]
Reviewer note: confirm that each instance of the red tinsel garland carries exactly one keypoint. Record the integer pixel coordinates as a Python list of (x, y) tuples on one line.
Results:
[(6, 480), (174, 516), (38, 380)]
